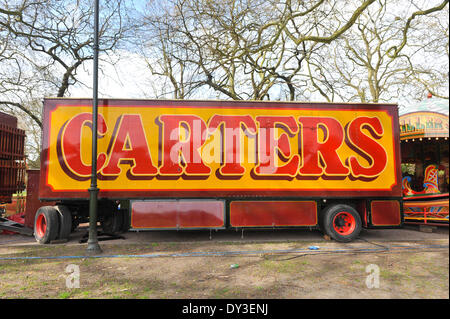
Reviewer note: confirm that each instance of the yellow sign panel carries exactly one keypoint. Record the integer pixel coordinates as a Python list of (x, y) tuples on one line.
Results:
[(222, 148)]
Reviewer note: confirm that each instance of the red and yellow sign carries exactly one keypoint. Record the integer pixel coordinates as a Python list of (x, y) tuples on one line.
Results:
[(212, 148)]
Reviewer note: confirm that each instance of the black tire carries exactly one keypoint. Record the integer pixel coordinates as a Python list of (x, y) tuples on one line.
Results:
[(46, 224), (112, 224), (125, 220), (341, 222), (65, 219)]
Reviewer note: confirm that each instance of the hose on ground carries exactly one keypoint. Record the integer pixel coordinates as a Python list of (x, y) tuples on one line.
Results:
[(302, 252)]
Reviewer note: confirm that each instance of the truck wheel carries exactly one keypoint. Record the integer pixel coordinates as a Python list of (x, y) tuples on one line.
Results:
[(46, 224), (341, 222), (65, 219)]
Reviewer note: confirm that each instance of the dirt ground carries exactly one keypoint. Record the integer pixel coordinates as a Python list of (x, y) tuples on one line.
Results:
[(265, 269)]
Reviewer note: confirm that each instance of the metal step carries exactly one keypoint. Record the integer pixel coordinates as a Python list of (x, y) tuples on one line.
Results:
[(7, 224)]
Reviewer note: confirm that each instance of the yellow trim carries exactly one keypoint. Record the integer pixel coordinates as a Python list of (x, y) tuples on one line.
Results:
[(427, 218)]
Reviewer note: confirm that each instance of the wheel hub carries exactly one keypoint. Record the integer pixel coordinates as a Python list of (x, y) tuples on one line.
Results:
[(344, 223)]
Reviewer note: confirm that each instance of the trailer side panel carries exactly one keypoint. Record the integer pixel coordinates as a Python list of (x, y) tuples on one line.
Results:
[(205, 149)]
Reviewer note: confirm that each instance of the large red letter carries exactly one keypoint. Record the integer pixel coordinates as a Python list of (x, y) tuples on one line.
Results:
[(129, 144), (231, 142), (313, 150), (175, 150), (366, 147), (70, 145), (269, 146)]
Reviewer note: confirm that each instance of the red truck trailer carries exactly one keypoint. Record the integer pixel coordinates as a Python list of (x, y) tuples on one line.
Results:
[(12, 174), (172, 164), (12, 158)]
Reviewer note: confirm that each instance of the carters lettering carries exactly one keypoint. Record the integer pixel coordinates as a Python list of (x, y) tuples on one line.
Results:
[(283, 146)]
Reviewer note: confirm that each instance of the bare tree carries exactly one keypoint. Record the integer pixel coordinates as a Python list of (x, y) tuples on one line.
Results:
[(52, 39), (43, 45), (242, 49), (385, 55), (430, 41)]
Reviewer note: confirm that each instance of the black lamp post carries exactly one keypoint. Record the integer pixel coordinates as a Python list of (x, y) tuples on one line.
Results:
[(93, 246)]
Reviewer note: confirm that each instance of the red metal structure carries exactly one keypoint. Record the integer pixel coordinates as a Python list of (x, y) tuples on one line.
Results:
[(12, 172), (12, 158), (167, 164)]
